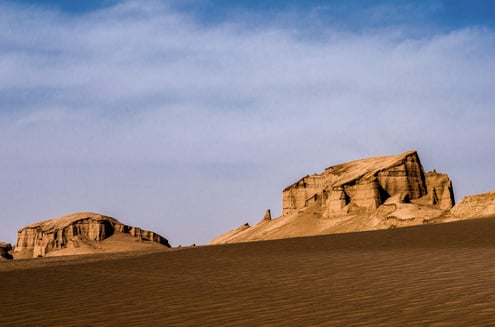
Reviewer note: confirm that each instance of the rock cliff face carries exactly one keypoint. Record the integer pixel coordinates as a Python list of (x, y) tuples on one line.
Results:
[(368, 183), (5, 249), (372, 193), (83, 231)]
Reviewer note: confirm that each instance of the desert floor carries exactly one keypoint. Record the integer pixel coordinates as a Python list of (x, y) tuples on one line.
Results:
[(430, 275)]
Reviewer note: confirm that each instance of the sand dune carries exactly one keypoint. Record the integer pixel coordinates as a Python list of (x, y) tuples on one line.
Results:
[(431, 275)]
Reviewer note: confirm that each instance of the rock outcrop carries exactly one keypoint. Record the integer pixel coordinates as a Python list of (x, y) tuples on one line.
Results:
[(478, 205), (372, 193), (267, 216), (5, 249), (82, 232)]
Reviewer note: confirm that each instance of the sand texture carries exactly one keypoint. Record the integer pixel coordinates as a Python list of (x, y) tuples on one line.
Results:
[(430, 275)]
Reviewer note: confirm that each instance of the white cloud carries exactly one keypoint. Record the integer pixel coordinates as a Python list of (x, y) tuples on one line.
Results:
[(142, 85)]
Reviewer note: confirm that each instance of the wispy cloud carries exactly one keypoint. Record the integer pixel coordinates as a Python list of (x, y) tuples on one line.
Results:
[(97, 104)]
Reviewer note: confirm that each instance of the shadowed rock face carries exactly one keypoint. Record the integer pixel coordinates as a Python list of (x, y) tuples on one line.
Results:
[(75, 231), (372, 193), (4, 250)]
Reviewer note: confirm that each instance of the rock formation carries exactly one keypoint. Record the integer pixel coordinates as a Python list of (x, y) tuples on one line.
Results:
[(5, 249), (81, 233), (372, 193), (478, 205), (267, 216)]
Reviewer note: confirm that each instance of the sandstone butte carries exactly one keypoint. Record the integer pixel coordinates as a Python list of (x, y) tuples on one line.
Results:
[(368, 194), (83, 233)]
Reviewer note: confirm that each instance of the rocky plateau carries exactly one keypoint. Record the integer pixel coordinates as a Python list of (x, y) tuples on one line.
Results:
[(368, 194), (82, 233)]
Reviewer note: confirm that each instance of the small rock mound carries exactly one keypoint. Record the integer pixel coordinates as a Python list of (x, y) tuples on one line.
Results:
[(478, 205), (82, 231), (5, 249)]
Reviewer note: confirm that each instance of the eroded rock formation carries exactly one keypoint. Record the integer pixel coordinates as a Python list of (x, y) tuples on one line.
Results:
[(368, 183), (267, 216), (478, 205), (83, 230), (5, 249), (372, 193)]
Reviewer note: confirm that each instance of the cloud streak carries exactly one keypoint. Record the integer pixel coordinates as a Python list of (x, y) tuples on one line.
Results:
[(147, 113)]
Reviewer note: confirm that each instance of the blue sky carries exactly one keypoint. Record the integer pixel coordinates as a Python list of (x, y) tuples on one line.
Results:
[(446, 13), (190, 117)]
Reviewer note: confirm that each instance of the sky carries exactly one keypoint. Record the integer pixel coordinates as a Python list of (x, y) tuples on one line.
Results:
[(188, 118)]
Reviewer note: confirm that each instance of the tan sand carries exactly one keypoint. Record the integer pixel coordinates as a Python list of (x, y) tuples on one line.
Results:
[(431, 275)]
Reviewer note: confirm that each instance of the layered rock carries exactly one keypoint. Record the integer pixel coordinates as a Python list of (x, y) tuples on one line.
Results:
[(5, 249), (478, 205), (368, 183), (79, 230), (372, 193)]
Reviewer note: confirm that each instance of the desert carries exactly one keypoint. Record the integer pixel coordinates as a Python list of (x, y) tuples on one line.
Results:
[(428, 275), (334, 257), (247, 163)]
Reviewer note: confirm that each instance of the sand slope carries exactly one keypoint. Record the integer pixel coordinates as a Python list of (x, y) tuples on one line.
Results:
[(431, 275)]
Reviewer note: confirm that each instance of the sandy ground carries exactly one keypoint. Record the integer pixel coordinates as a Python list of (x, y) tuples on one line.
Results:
[(432, 275)]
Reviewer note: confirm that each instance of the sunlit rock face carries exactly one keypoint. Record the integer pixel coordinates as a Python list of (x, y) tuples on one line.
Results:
[(75, 231), (372, 193), (368, 183), (478, 205)]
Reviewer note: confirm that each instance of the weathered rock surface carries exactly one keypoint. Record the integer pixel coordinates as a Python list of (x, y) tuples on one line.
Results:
[(79, 233), (372, 193), (5, 249), (267, 216), (478, 205)]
